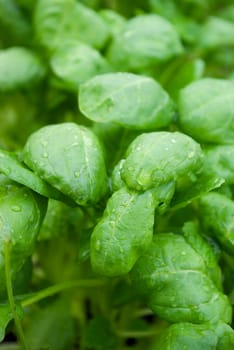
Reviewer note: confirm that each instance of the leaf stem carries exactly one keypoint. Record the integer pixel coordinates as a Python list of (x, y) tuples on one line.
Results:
[(19, 329), (44, 293), (136, 334)]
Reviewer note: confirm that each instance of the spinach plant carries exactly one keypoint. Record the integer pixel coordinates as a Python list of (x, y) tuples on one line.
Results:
[(116, 174)]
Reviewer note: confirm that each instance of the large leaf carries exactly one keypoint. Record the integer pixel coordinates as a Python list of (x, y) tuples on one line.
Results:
[(130, 100)]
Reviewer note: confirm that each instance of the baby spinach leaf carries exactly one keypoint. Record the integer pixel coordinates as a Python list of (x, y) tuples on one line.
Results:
[(217, 213), (58, 21), (19, 67), (144, 41), (52, 327), (180, 73), (11, 167), (114, 20), (21, 214), (75, 62), (123, 233), (14, 27), (168, 274), (99, 335), (220, 158), (130, 100), (206, 181), (206, 110), (195, 337), (157, 158), (215, 33), (5, 317), (68, 157)]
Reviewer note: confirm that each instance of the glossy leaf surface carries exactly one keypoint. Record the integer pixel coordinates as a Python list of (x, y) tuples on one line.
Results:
[(130, 100)]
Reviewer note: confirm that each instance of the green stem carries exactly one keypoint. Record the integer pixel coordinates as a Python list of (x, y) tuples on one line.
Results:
[(10, 295), (136, 334), (42, 294)]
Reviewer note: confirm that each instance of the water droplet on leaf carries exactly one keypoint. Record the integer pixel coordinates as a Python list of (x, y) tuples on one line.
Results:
[(16, 208)]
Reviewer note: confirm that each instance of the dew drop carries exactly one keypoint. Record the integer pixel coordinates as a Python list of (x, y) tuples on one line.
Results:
[(76, 173), (16, 208), (7, 171), (44, 143), (45, 155), (191, 155), (173, 140), (98, 245)]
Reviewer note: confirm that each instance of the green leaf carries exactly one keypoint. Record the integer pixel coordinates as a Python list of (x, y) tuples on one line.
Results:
[(192, 236), (221, 160), (158, 158), (216, 33), (74, 62), (99, 335), (21, 214), (206, 110), (51, 327), (168, 274), (114, 20), (11, 167), (217, 212), (207, 180), (69, 157), (59, 21), (14, 27), (123, 233), (195, 337), (5, 317), (145, 40), (180, 73), (19, 67), (129, 100)]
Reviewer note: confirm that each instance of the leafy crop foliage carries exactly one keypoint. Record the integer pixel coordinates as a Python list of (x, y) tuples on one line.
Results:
[(116, 174)]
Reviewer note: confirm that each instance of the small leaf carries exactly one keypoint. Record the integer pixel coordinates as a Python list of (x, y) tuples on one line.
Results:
[(74, 62), (123, 233), (144, 41), (51, 327), (99, 335), (19, 67), (158, 158), (11, 167), (216, 33), (21, 214), (69, 157), (5, 317), (206, 110), (64, 20)]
